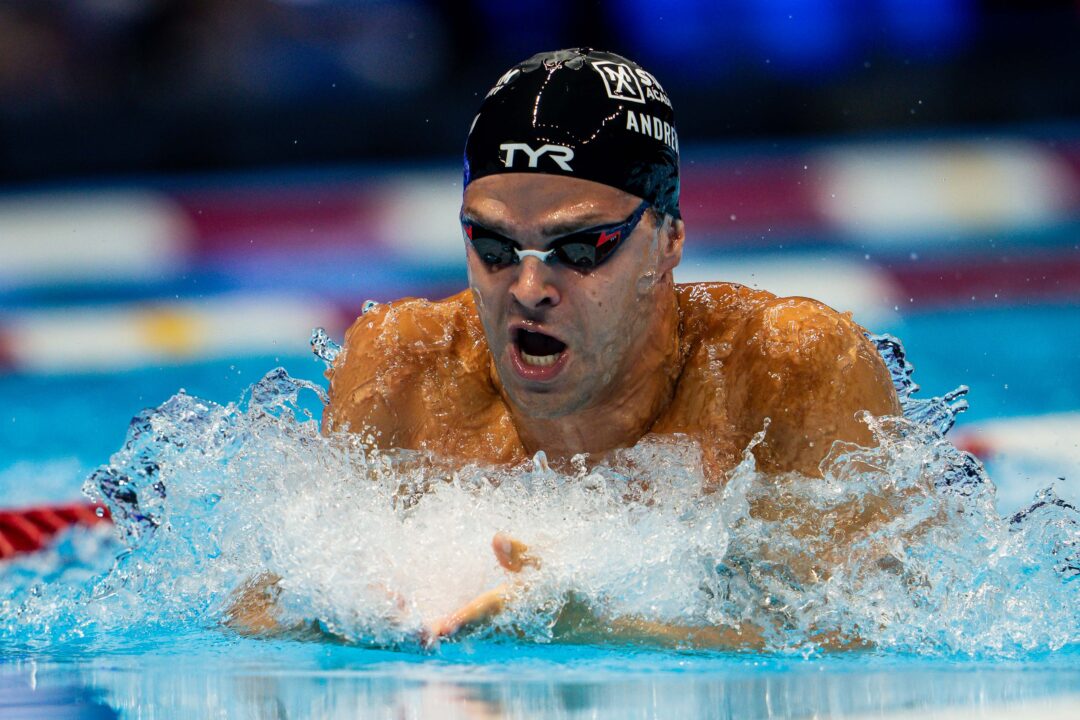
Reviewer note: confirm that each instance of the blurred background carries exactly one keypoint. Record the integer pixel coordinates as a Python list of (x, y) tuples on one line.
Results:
[(188, 187)]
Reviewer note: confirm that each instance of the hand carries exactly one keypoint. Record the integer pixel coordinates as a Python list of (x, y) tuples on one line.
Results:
[(253, 607), (513, 555)]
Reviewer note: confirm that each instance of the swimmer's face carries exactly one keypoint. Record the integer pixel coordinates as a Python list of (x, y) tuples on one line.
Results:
[(564, 340)]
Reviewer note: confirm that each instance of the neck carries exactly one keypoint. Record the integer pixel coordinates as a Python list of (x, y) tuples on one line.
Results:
[(646, 383)]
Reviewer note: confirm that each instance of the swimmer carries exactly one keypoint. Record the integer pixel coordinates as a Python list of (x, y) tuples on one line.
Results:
[(573, 336)]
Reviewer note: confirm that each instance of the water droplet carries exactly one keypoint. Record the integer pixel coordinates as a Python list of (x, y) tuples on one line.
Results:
[(323, 347)]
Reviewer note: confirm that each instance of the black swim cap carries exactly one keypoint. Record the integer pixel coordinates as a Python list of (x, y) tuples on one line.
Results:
[(582, 113)]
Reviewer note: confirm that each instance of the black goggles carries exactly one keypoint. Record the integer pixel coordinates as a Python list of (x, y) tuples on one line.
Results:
[(582, 250)]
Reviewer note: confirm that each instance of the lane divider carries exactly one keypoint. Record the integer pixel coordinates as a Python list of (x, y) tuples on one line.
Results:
[(92, 236), (31, 529), (884, 196), (105, 338)]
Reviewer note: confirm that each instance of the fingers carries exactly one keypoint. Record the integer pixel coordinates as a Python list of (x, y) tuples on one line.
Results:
[(512, 554)]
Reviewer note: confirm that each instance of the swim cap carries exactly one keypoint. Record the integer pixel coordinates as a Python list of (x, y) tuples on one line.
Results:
[(582, 113)]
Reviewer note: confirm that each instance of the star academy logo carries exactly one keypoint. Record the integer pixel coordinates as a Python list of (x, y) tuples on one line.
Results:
[(620, 81)]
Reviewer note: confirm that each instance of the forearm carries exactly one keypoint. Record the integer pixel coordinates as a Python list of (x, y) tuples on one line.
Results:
[(634, 629), (480, 609)]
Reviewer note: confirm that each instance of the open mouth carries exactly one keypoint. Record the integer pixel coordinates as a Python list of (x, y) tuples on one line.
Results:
[(538, 349)]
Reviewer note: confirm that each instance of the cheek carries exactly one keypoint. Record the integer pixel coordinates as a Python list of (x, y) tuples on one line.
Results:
[(608, 314), (483, 286)]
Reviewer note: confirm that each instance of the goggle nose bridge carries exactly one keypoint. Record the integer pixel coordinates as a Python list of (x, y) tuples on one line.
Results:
[(541, 255)]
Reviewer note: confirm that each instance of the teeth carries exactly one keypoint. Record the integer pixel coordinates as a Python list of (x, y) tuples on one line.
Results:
[(541, 360)]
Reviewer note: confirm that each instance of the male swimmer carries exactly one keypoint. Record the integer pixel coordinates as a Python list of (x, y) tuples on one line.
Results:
[(573, 336)]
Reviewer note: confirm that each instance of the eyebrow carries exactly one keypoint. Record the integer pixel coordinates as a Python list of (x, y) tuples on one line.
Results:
[(553, 231)]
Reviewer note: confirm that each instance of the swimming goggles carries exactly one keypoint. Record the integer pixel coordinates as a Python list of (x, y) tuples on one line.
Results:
[(582, 250)]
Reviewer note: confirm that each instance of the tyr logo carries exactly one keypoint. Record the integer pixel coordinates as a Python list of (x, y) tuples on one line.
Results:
[(620, 81), (559, 154)]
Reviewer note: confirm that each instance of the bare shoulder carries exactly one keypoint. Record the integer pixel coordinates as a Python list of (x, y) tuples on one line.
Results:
[(393, 352), (412, 325), (709, 309), (785, 325), (806, 367), (798, 333)]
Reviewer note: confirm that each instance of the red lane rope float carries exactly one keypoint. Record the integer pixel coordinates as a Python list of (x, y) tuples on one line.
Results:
[(31, 529)]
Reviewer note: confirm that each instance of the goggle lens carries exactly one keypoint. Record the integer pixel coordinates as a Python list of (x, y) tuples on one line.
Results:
[(582, 250), (494, 252)]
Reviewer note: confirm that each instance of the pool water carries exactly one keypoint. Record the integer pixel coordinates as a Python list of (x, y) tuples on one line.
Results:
[(166, 663), (206, 676)]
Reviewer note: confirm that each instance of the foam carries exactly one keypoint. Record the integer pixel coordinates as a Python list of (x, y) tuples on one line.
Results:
[(373, 544)]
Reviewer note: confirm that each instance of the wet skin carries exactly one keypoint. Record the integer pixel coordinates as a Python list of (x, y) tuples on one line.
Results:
[(643, 356)]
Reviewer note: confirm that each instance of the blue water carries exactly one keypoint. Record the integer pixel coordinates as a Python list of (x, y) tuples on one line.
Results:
[(163, 661), (1017, 360), (224, 677)]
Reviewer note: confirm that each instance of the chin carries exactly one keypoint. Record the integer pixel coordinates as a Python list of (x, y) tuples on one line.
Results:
[(542, 405), (546, 403)]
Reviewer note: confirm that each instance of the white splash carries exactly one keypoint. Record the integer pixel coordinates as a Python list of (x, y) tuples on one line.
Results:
[(372, 544)]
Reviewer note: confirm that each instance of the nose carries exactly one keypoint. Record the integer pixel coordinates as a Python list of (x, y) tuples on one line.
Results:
[(532, 288)]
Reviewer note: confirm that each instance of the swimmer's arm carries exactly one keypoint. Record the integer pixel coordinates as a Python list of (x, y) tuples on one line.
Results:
[(482, 608), (253, 607), (253, 610), (707, 637), (579, 624), (514, 556), (576, 622), (810, 371)]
